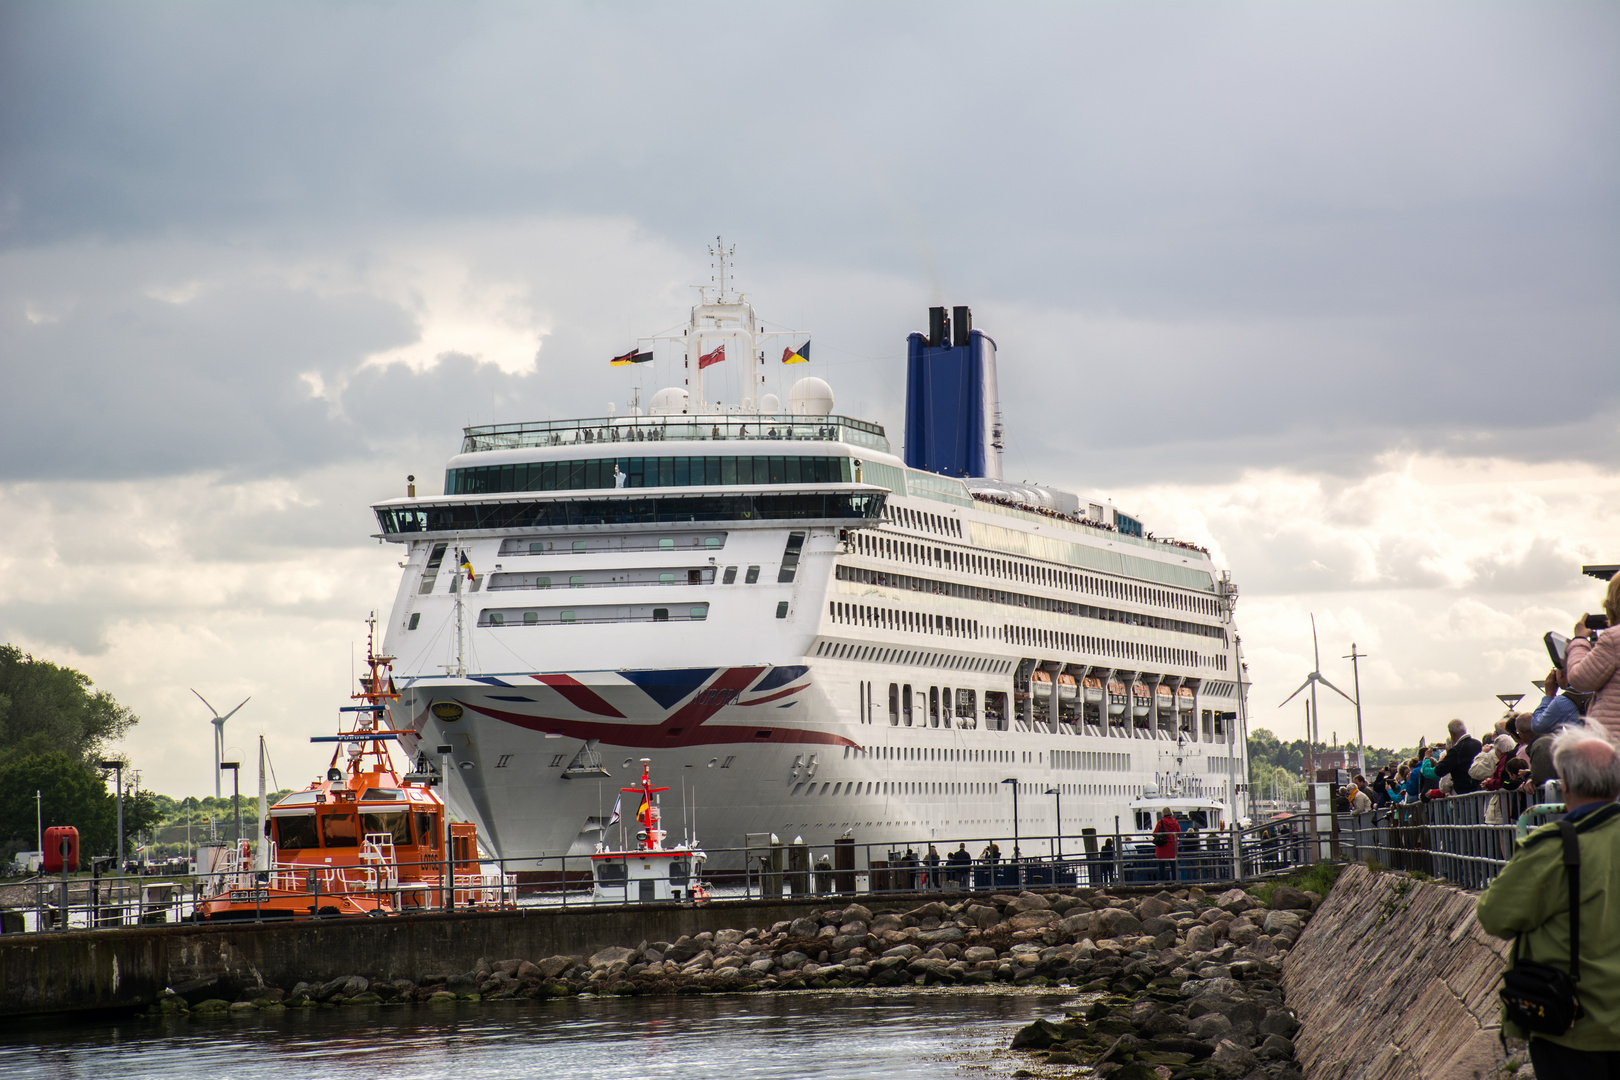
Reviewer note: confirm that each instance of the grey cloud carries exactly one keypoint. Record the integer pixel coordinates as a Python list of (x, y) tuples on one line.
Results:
[(1408, 213)]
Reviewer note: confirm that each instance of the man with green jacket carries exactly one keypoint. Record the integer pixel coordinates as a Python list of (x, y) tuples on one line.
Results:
[(1530, 898)]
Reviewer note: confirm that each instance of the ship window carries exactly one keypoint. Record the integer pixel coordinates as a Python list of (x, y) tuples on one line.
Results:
[(752, 576), (296, 832), (579, 547), (497, 619), (894, 704), (694, 577), (731, 576), (933, 706), (700, 613), (339, 830), (613, 874), (712, 542), (576, 580), (530, 618), (790, 557), (566, 616), (536, 547), (782, 609), (427, 830), (679, 871), (542, 582), (666, 579), (416, 617), (660, 614), (905, 704), (430, 573), (666, 544), (395, 826)]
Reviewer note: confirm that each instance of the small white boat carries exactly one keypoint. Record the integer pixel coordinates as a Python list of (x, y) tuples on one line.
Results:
[(649, 873)]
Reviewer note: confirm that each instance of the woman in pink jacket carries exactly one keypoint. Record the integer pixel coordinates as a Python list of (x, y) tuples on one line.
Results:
[(1592, 665)]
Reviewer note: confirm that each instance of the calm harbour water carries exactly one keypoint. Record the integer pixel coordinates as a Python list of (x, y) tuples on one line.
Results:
[(741, 1037)]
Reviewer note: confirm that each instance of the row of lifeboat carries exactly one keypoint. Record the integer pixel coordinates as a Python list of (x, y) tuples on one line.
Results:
[(1142, 699)]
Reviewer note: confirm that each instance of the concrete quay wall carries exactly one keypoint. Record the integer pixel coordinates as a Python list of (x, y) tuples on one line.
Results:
[(128, 968), (1393, 979)]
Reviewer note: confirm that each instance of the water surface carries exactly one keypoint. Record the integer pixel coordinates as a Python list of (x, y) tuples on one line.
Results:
[(886, 1036)]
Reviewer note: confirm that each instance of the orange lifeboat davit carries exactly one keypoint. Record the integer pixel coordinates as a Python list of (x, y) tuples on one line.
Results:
[(1040, 684), (1184, 699), (1066, 689), (1092, 687), (1166, 699), (1116, 698)]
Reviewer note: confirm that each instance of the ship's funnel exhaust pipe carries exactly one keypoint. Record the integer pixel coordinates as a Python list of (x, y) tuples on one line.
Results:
[(952, 424)]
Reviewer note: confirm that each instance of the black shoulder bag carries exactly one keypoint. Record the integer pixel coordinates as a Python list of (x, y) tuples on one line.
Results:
[(1540, 997)]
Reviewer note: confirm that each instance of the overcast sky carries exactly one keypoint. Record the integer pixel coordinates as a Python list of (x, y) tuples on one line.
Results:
[(1330, 288)]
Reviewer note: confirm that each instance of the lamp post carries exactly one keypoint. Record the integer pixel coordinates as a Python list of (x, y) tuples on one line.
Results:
[(118, 770), (1053, 791), (1013, 780), (236, 796)]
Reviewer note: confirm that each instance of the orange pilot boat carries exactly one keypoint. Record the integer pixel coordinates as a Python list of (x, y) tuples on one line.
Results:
[(363, 841)]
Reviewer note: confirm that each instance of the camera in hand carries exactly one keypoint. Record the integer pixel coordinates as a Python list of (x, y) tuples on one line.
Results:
[(1599, 621)]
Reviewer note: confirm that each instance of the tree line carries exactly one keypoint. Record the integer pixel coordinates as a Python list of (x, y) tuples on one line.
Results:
[(55, 727)]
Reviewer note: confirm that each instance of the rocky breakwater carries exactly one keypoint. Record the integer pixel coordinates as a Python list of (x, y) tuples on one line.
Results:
[(1191, 987), (1080, 938)]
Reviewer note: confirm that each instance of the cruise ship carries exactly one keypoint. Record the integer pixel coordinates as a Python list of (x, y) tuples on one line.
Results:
[(805, 632)]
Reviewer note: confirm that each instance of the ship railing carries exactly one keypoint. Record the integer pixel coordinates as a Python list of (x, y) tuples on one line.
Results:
[(610, 430)]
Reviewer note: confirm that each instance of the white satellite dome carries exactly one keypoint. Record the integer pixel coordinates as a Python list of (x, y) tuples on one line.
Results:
[(810, 396), (770, 403), (668, 401)]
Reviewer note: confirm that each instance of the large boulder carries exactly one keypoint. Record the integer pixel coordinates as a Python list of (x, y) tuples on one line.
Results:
[(553, 966), (1038, 1036), (1114, 922), (1236, 901), (803, 927), (1288, 898), (1232, 1060), (1281, 920), (978, 954), (1029, 902), (1201, 937), (1151, 907), (856, 913), (982, 915), (609, 956), (1033, 920), (945, 935)]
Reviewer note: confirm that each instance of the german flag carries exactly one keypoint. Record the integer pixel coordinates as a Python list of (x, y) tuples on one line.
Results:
[(708, 358), (801, 355), (631, 357), (643, 812)]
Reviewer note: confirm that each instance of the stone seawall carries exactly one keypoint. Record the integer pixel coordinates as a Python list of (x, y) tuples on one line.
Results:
[(128, 968), (1394, 980)]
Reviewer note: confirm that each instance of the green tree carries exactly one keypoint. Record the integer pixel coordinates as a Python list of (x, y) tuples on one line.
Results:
[(72, 793), (46, 708)]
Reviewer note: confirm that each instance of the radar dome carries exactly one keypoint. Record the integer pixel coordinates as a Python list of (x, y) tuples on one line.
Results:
[(668, 401), (770, 403), (810, 397)]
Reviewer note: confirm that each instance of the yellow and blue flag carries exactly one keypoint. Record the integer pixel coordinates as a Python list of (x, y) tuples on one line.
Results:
[(801, 355)]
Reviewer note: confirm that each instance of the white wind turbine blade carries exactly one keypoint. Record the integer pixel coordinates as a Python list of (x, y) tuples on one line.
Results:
[(1296, 693), (1315, 648), (1335, 689), (234, 711), (204, 700)]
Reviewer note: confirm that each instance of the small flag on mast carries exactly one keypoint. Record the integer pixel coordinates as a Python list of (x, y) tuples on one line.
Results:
[(617, 804), (642, 812), (708, 358), (801, 355), (631, 357), (465, 563)]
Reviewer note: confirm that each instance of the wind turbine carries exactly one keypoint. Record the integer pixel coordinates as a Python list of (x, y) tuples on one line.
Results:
[(1311, 680), (219, 734)]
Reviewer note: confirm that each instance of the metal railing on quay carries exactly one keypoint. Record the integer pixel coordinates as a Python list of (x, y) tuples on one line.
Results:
[(238, 892), (1463, 839)]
